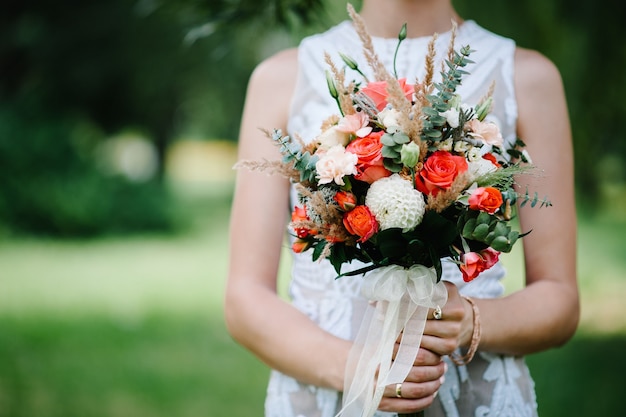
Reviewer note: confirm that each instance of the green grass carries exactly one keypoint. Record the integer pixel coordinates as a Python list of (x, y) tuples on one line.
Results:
[(134, 327)]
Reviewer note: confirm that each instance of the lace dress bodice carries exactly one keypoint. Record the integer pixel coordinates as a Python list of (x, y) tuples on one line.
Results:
[(491, 385)]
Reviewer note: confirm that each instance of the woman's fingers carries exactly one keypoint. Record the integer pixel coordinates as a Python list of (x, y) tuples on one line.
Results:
[(424, 357), (417, 392)]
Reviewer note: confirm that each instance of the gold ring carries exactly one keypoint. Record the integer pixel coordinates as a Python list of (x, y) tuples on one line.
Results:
[(437, 313), (399, 390)]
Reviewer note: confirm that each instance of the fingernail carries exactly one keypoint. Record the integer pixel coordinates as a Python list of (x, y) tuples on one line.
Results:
[(445, 367), (435, 395), (442, 379)]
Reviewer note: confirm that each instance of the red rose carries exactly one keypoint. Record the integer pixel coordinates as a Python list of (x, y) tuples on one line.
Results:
[(487, 199), (439, 172), (377, 91), (360, 222), (370, 159), (346, 200), (491, 158)]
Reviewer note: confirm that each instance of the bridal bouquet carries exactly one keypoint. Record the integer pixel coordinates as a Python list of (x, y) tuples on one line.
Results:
[(403, 176)]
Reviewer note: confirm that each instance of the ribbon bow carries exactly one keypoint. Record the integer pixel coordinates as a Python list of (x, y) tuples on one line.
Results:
[(400, 298)]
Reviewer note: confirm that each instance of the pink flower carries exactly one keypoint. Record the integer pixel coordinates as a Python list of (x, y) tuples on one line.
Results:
[(377, 91), (490, 257), (335, 164), (472, 263), (355, 124), (488, 132)]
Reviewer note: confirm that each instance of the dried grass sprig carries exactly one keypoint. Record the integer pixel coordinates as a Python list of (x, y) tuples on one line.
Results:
[(488, 95), (453, 32), (445, 198), (380, 72), (270, 167), (343, 94), (427, 85)]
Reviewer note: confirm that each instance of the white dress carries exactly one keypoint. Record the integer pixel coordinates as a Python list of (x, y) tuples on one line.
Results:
[(491, 385)]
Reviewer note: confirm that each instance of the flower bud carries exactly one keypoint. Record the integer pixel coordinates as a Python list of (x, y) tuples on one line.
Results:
[(332, 88), (402, 34), (483, 109), (346, 200), (300, 245), (410, 154), (351, 63)]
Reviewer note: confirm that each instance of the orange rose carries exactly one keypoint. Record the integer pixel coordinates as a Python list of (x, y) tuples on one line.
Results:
[(439, 172), (346, 200), (299, 215), (377, 91), (360, 222), (370, 159), (487, 199)]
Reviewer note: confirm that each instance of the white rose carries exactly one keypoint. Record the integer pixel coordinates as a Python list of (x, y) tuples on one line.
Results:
[(389, 117), (480, 167), (332, 137)]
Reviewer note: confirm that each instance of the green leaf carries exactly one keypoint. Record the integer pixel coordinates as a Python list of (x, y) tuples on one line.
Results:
[(480, 232), (387, 140)]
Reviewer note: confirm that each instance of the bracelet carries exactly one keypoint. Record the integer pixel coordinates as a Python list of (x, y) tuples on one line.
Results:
[(467, 358)]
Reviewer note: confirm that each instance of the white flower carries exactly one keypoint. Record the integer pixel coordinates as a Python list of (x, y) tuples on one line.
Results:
[(461, 146), (331, 137), (474, 154), (446, 145), (395, 203), (334, 164), (480, 167), (452, 116), (390, 118)]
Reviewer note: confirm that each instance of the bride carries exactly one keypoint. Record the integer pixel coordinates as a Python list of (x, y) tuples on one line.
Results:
[(306, 341)]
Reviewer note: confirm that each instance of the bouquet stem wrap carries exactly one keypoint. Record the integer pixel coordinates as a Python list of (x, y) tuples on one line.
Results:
[(399, 302)]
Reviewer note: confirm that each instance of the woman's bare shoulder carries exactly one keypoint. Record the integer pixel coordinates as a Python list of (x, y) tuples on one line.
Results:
[(279, 69), (535, 72)]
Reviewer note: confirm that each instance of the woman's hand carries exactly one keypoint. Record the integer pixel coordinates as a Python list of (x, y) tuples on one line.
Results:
[(455, 327), (419, 389)]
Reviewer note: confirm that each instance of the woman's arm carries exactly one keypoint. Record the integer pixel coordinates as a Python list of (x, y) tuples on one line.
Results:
[(256, 316), (545, 313)]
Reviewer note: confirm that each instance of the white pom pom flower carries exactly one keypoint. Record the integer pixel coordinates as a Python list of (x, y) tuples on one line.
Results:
[(395, 203)]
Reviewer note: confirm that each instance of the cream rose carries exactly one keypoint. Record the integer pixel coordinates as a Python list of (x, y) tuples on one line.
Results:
[(333, 136)]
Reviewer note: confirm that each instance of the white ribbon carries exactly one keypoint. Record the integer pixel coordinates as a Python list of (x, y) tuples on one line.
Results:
[(400, 299)]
